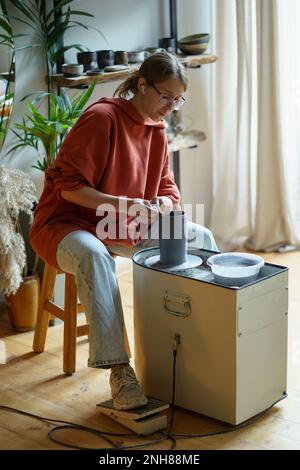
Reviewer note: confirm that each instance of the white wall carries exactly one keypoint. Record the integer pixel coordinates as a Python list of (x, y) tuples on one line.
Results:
[(5, 57)]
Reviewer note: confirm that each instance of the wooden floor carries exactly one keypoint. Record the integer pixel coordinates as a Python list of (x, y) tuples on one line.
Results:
[(35, 383)]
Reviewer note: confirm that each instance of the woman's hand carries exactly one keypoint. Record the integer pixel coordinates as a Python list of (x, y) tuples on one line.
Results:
[(144, 209), (164, 204)]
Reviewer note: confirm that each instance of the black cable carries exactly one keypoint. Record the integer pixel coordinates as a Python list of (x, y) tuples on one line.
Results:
[(51, 420), (73, 446), (232, 427), (173, 393), (103, 434), (163, 437)]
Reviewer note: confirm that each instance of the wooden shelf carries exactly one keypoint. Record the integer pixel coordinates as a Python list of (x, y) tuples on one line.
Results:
[(185, 140), (193, 61), (62, 81)]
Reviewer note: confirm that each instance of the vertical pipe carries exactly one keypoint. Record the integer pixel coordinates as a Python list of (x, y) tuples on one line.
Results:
[(174, 34), (173, 18), (57, 18), (176, 167)]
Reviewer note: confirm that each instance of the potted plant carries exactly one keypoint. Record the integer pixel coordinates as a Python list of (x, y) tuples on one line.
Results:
[(21, 288), (45, 134)]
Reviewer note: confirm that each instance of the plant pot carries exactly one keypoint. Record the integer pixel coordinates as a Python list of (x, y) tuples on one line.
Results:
[(23, 305)]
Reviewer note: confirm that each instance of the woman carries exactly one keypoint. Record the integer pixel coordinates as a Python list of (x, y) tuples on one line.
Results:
[(115, 156)]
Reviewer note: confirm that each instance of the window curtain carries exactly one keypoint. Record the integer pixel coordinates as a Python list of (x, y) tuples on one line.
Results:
[(255, 124)]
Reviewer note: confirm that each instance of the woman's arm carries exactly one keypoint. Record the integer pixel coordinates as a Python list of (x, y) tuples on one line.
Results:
[(90, 197)]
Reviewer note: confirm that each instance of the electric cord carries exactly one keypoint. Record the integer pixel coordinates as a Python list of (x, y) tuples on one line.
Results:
[(163, 435), (104, 434), (176, 342), (100, 433)]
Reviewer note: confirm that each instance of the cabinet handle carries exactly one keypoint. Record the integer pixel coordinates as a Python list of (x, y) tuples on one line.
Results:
[(177, 304)]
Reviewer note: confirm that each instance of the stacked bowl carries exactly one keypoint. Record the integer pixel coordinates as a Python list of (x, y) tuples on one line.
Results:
[(194, 44)]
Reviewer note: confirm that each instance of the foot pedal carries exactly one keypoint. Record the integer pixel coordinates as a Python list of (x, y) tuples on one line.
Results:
[(145, 419)]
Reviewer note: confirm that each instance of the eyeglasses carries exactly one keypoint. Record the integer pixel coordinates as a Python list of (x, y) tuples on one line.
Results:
[(166, 100)]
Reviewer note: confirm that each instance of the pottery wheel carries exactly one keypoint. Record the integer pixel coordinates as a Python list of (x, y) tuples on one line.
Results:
[(192, 261)]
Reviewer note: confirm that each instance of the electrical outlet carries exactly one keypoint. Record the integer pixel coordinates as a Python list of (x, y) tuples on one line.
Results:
[(177, 338), (176, 341)]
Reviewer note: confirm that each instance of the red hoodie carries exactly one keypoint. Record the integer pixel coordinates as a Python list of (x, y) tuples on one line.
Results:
[(113, 150)]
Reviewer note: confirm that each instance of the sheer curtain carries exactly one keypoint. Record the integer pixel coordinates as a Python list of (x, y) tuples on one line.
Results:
[(255, 122)]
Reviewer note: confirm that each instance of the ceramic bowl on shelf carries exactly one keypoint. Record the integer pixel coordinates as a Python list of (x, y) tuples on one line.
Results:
[(121, 58), (115, 68), (88, 59), (154, 50), (96, 72), (72, 70), (169, 44), (105, 57), (135, 57), (194, 44)]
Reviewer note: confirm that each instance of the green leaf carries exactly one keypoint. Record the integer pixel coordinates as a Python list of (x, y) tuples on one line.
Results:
[(56, 33), (20, 20), (7, 96), (41, 165), (61, 4), (58, 127), (21, 35), (39, 96), (57, 54), (83, 99), (78, 12), (3, 7), (61, 103), (28, 46), (33, 10), (77, 23), (68, 102), (6, 26), (39, 118)]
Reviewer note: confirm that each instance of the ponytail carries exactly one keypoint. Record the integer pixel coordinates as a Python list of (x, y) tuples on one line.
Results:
[(128, 86), (155, 69)]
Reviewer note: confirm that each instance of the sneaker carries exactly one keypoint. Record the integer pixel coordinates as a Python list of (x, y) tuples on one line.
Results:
[(125, 389)]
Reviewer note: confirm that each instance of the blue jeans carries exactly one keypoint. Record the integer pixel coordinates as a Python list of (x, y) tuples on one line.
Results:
[(84, 255)]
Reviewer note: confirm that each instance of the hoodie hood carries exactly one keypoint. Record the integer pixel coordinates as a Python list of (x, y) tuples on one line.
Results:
[(128, 108)]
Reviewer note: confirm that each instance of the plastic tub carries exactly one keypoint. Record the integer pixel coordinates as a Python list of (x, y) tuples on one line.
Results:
[(235, 269)]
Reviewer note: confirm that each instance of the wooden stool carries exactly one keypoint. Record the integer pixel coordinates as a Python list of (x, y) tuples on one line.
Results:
[(68, 314)]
